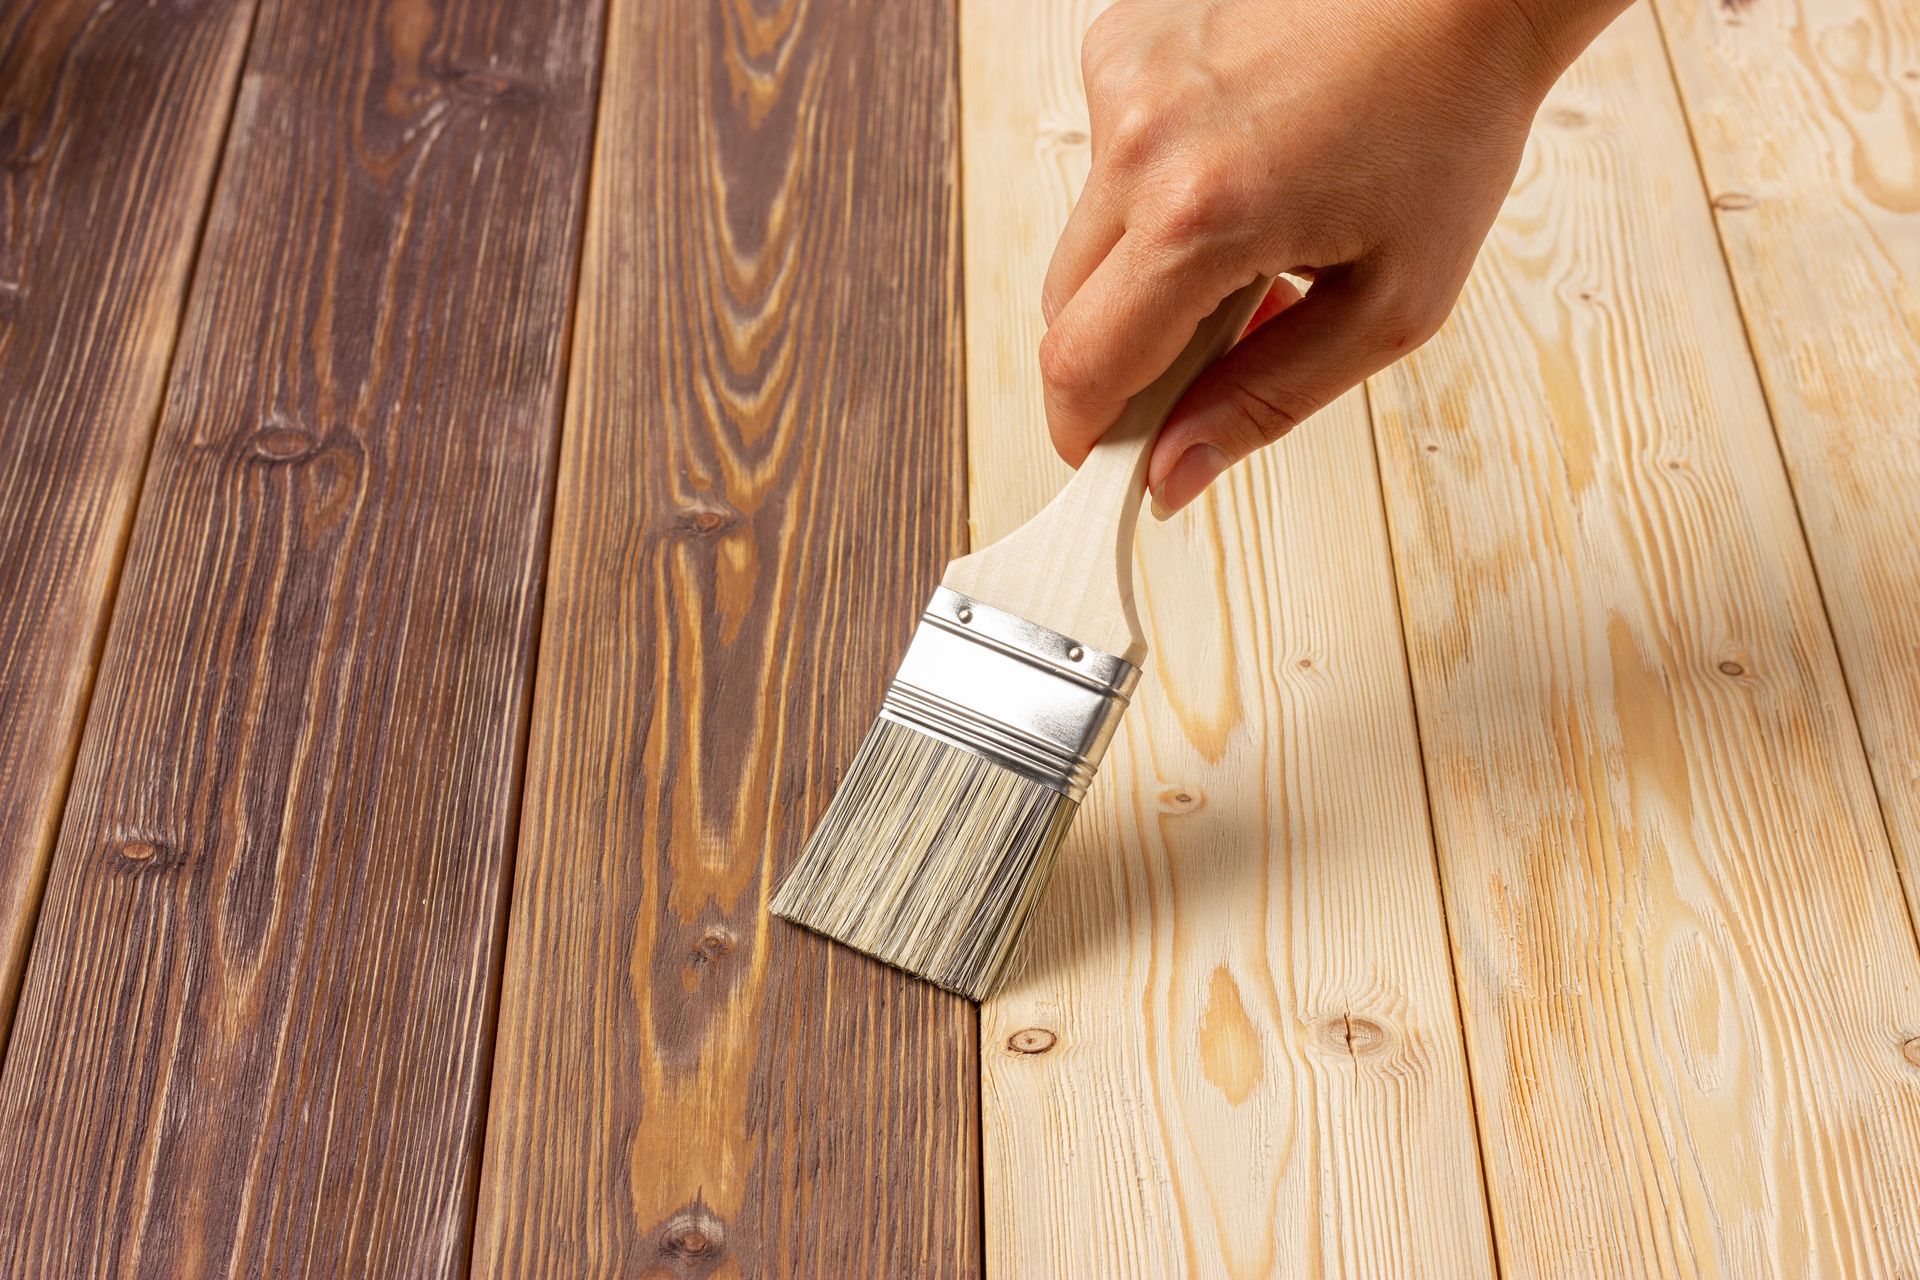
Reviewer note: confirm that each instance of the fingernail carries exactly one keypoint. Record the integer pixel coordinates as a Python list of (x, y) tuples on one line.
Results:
[(1197, 468)]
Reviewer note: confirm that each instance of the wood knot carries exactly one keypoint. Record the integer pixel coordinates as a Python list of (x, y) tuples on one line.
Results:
[(1732, 668), (694, 1235), (1032, 1040), (1074, 137), (492, 87), (1568, 117), (690, 1242), (141, 854), (709, 944), (1431, 447), (1911, 1051), (715, 944), (1305, 664), (1180, 800), (278, 440), (1733, 201), (703, 520), (1353, 1035)]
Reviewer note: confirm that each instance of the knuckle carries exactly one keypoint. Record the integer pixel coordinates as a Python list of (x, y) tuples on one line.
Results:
[(1130, 133), (1062, 366), (1098, 43), (1109, 78), (1262, 415), (1194, 199), (1050, 304), (1411, 314), (1093, 53)]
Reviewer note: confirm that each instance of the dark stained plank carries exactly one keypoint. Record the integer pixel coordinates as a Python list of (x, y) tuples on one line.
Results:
[(253, 1034), (111, 118), (761, 482)]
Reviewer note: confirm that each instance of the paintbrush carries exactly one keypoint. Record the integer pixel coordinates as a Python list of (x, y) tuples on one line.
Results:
[(942, 834)]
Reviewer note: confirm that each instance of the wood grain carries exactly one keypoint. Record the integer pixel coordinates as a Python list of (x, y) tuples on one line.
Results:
[(1231, 1047), (94, 258), (252, 1038), (760, 484), (1686, 971), (1807, 122)]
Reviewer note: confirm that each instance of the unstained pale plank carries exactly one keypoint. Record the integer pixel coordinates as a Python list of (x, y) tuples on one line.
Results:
[(1807, 121), (253, 1033), (110, 127), (1230, 1046), (761, 482), (1684, 962)]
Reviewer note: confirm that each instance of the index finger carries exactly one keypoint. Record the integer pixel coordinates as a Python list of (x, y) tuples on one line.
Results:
[(1120, 331), (1092, 229)]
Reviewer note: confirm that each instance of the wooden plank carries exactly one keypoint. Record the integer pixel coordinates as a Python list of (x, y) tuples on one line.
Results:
[(254, 1028), (110, 128), (1230, 1046), (1685, 968), (1803, 116), (760, 486)]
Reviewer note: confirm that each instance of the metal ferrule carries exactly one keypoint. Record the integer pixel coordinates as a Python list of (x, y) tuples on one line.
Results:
[(1028, 699)]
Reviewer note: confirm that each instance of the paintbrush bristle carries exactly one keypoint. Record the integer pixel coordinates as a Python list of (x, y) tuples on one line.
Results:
[(929, 858), (945, 827)]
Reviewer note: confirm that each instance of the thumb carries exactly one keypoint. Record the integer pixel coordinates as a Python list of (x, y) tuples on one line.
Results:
[(1282, 372)]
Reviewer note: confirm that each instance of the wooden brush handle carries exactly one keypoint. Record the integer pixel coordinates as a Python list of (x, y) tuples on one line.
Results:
[(1071, 566)]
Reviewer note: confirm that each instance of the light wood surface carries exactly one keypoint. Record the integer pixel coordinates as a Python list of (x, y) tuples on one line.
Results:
[(1230, 1046), (761, 482), (1685, 967), (95, 252), (254, 1033), (1806, 117)]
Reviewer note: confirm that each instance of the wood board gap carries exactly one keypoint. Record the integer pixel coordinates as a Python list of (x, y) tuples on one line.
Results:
[(1426, 794)]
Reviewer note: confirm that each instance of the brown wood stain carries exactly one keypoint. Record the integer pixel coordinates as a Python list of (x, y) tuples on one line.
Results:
[(761, 483), (255, 1037)]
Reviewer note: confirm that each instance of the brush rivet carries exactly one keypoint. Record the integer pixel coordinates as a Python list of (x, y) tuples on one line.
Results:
[(1076, 653), (963, 613)]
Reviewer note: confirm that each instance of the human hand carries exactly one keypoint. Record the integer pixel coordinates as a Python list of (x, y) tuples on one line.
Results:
[(1363, 144)]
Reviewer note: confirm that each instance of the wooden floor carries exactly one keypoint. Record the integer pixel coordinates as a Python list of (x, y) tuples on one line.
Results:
[(467, 470)]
